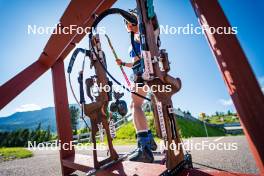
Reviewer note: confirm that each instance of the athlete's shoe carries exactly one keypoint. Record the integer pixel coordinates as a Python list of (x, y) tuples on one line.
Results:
[(143, 153), (153, 145)]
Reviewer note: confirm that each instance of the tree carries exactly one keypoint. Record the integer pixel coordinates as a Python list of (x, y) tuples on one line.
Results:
[(75, 113), (25, 136), (48, 134), (36, 134), (229, 112), (216, 113), (20, 137)]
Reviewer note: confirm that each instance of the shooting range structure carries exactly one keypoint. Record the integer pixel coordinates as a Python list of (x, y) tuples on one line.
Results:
[(240, 80)]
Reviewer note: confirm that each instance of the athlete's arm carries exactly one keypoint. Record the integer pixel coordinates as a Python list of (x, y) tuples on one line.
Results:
[(127, 64)]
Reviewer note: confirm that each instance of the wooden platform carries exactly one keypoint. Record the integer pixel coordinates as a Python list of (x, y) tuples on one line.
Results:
[(84, 163)]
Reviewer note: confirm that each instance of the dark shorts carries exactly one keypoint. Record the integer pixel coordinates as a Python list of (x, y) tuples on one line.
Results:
[(138, 68), (139, 82)]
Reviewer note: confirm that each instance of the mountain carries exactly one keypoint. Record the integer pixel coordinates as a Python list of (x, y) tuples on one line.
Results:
[(31, 119)]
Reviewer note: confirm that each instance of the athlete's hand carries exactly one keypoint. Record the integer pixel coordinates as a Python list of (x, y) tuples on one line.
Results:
[(118, 62)]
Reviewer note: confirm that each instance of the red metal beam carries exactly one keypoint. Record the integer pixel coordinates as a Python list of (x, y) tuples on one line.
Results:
[(84, 163), (238, 75), (63, 120), (21, 81), (78, 12)]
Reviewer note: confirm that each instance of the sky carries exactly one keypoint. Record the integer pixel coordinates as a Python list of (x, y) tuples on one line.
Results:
[(203, 89)]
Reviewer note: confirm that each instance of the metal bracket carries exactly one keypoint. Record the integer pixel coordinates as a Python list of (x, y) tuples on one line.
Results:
[(184, 164), (171, 111)]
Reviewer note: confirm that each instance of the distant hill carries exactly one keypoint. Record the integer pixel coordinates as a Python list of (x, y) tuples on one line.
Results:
[(31, 119), (222, 119)]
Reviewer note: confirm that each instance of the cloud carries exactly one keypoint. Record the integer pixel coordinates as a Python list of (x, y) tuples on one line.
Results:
[(28, 107), (261, 83), (227, 102), (261, 80)]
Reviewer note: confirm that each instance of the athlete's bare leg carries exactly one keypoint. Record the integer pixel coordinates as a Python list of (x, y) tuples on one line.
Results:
[(138, 115)]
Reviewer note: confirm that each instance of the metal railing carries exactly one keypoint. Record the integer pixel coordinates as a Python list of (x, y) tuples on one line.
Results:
[(86, 137)]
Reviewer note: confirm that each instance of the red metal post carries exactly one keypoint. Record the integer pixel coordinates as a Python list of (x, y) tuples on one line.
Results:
[(78, 13), (238, 75), (63, 120), (20, 82)]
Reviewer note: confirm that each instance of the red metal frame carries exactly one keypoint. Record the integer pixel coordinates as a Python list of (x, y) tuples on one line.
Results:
[(237, 74), (20, 82), (62, 111), (239, 77)]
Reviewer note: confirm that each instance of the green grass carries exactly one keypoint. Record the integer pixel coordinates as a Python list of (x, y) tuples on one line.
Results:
[(125, 135), (190, 128), (14, 153), (187, 128), (127, 132)]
